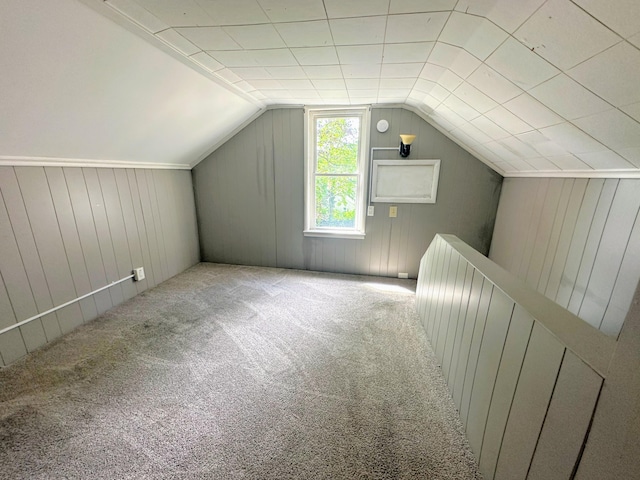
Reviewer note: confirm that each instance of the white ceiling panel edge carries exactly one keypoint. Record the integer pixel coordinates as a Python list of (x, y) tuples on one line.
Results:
[(15, 161)]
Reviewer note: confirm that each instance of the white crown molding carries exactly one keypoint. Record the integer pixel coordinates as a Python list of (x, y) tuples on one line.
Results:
[(627, 173), (16, 161)]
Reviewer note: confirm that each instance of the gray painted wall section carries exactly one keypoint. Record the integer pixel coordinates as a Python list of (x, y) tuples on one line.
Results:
[(250, 201), (577, 241), (525, 394), (67, 231)]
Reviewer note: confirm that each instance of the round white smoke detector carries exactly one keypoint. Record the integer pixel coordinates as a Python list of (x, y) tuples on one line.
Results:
[(382, 126)]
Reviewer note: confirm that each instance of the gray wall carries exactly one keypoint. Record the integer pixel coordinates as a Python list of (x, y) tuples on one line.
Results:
[(524, 373), (67, 231), (250, 201), (577, 241)]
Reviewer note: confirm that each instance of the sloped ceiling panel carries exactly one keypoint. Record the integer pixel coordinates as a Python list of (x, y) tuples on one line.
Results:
[(75, 86), (530, 86)]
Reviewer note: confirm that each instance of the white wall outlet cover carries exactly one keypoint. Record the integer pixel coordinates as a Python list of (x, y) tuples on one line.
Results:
[(371, 211), (403, 275), (138, 274), (382, 126)]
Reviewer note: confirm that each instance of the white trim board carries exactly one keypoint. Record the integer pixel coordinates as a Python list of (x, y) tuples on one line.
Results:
[(17, 161)]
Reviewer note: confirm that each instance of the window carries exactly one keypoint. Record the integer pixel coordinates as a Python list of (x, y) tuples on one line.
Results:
[(336, 142)]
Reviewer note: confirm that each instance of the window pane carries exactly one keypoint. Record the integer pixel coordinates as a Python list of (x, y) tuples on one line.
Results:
[(337, 144), (336, 201)]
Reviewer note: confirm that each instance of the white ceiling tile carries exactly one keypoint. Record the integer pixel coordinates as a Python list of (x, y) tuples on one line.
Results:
[(454, 58), (493, 84), (474, 97), (251, 73), (507, 120), (228, 75), (542, 164), (416, 52), (245, 86), (490, 128), (266, 84), (305, 34), (338, 93), (476, 134), (280, 57), (401, 70), (358, 31), (632, 110), (503, 153), (432, 72), (293, 10), (234, 58), (462, 138), (178, 42), (278, 93), (475, 34), (613, 74), (564, 34), (397, 82), (461, 108), (362, 83), (415, 27), (305, 96), (355, 8), (394, 92), (425, 86), (389, 100), (430, 101), (569, 162), (360, 54), (518, 147), (207, 61), (329, 84), (533, 112), (137, 14), (635, 40), (177, 14), (572, 138), (316, 55), (293, 72), (631, 154), (440, 121), (297, 84), (449, 80), (507, 14), (449, 115), (619, 15), (568, 98), (542, 144), (361, 71), (363, 93), (241, 12), (613, 128), (209, 38), (324, 71), (410, 6), (606, 160), (255, 36), (520, 65), (439, 92)]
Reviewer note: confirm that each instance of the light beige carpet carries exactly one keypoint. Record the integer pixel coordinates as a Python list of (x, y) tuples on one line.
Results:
[(230, 372)]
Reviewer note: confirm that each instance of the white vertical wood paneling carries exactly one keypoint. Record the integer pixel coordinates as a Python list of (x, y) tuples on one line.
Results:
[(250, 200), (65, 232), (578, 242)]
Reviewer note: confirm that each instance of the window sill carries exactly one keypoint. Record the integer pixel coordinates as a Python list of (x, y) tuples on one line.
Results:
[(353, 235)]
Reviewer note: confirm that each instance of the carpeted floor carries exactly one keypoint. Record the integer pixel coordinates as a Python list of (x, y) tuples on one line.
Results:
[(230, 372)]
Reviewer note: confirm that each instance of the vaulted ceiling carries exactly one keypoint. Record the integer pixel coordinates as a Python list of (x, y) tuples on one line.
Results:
[(532, 87)]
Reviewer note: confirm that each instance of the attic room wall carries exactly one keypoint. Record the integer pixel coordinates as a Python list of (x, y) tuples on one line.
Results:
[(250, 200), (577, 241), (67, 231)]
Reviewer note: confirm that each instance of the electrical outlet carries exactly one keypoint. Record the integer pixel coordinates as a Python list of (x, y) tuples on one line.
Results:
[(371, 210), (403, 275), (393, 211), (138, 274)]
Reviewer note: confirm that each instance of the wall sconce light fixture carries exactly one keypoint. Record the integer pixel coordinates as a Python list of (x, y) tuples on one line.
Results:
[(405, 144)]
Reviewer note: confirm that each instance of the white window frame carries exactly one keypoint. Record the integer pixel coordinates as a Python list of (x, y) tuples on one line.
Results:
[(310, 228)]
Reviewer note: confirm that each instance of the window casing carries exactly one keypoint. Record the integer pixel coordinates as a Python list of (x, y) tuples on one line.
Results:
[(336, 145)]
